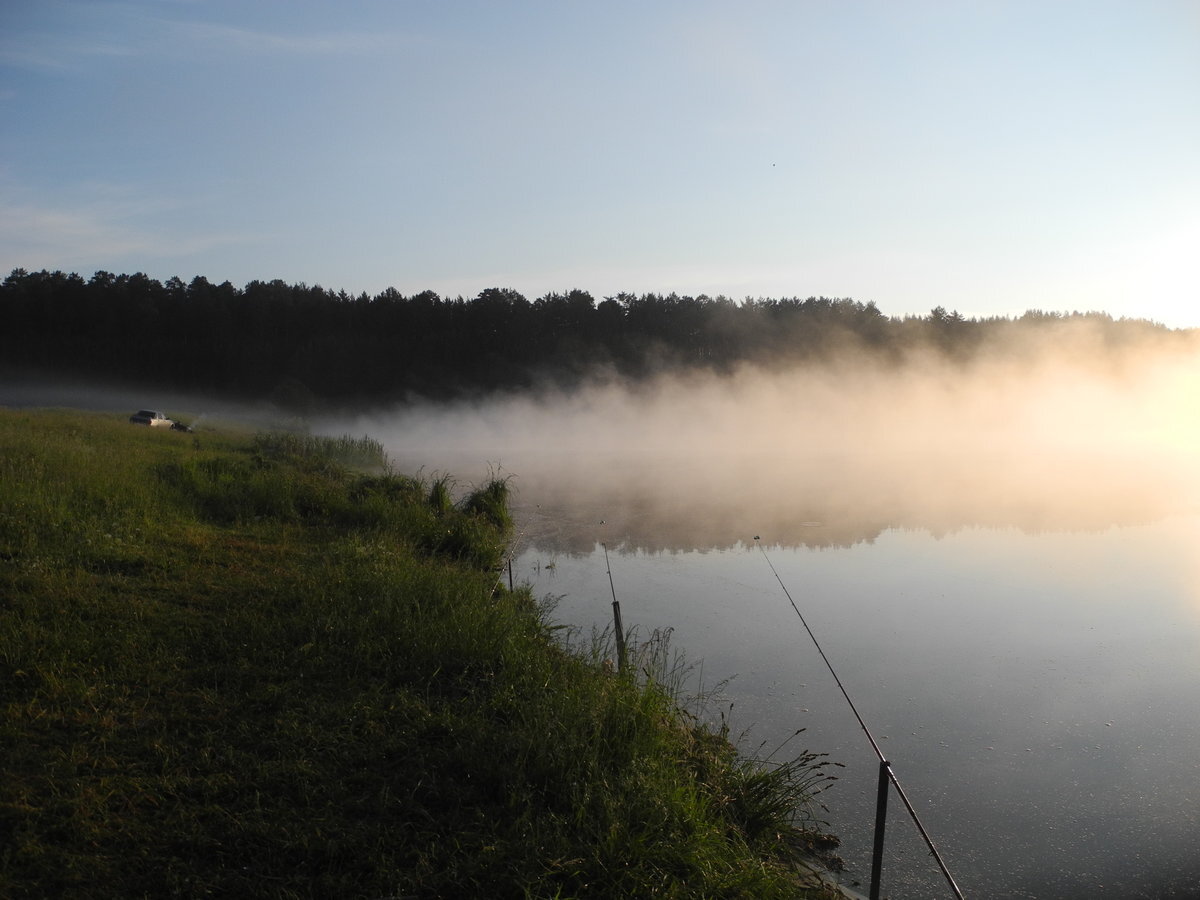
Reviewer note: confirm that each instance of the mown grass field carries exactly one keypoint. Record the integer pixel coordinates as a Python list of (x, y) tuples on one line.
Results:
[(268, 666)]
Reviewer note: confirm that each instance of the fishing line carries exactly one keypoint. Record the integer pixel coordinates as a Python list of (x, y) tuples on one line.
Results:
[(817, 644), (882, 759)]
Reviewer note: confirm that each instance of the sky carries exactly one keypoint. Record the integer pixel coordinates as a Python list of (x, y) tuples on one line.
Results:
[(986, 157)]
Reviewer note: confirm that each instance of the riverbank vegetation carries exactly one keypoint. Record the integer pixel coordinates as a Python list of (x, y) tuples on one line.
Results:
[(269, 665), (308, 348)]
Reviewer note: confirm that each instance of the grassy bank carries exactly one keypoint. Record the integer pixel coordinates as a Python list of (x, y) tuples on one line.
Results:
[(238, 665)]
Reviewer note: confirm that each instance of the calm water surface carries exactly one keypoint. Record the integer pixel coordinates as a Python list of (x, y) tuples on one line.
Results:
[(1035, 691)]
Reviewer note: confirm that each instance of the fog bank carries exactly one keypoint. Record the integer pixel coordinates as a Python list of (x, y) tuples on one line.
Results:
[(1063, 435)]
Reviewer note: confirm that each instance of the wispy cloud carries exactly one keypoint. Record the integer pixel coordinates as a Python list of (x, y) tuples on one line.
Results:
[(129, 31), (227, 36), (103, 233)]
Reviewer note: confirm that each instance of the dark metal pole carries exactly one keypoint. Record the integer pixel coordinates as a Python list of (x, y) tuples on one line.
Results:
[(880, 824), (620, 630)]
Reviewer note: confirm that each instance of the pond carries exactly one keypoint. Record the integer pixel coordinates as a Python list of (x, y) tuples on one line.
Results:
[(1034, 692)]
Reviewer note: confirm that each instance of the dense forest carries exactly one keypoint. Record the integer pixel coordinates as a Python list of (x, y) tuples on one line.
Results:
[(308, 347)]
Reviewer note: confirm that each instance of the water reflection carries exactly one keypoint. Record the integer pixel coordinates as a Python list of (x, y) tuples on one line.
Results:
[(665, 504), (1034, 690)]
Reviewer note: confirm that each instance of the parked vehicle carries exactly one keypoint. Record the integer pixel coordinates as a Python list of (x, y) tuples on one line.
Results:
[(152, 418)]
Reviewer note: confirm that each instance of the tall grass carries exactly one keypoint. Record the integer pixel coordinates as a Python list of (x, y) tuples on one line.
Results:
[(235, 666), (359, 453)]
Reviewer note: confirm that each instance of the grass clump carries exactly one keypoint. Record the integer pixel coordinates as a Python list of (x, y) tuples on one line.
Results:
[(360, 453), (239, 666)]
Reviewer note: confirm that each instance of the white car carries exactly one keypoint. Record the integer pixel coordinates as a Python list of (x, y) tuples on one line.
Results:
[(152, 418)]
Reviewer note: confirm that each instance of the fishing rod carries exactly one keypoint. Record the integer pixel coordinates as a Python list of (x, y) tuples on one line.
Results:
[(885, 767), (618, 628)]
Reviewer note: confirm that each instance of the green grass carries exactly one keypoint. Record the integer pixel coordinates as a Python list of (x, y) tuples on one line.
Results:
[(270, 666)]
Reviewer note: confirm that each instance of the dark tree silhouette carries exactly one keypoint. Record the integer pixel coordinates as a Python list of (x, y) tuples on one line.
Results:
[(307, 347)]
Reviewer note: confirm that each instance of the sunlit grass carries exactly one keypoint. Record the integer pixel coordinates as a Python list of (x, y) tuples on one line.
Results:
[(273, 667)]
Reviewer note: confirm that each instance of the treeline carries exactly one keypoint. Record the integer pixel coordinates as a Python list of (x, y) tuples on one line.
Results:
[(305, 347)]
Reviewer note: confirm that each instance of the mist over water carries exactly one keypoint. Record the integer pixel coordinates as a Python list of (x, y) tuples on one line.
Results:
[(1069, 436)]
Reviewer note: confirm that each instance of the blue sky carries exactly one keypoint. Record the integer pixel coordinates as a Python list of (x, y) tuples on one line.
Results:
[(986, 157)]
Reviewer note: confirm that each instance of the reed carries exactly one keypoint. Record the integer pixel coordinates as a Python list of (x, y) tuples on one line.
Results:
[(440, 491)]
